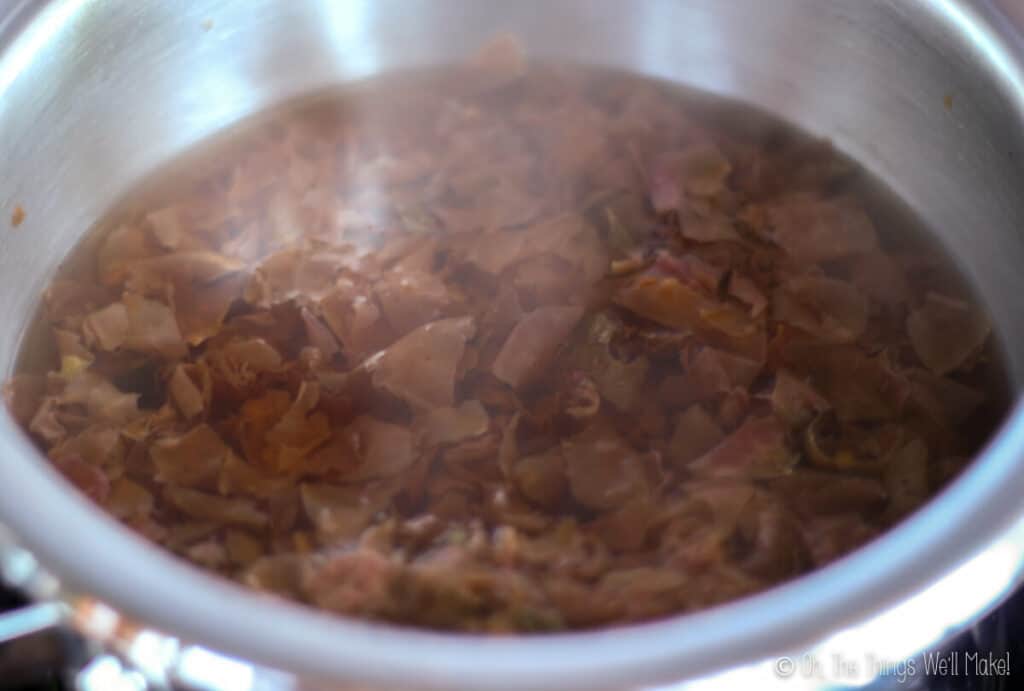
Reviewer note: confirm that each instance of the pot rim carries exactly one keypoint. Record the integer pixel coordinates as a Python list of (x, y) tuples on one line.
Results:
[(93, 553)]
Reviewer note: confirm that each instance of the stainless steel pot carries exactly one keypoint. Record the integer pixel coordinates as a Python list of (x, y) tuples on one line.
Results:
[(928, 94)]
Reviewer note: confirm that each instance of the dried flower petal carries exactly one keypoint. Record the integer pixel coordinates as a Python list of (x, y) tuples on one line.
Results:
[(209, 507), (946, 332), (107, 327), (695, 433), (603, 471), (795, 401), (447, 425), (355, 318), (420, 367), (410, 299), (380, 448), (23, 395), (818, 230), (152, 328), (541, 477), (89, 479), (829, 310), (128, 499), (533, 342), (337, 512), (193, 459), (757, 449)]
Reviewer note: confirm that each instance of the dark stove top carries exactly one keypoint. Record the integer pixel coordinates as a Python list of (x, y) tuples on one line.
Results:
[(1000, 632), (14, 674)]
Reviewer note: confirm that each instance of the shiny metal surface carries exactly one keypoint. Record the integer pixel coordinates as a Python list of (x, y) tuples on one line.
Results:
[(96, 93)]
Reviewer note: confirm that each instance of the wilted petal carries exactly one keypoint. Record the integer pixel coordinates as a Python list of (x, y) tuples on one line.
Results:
[(906, 478), (701, 228), (945, 332), (603, 471), (700, 170), (829, 310), (103, 401), (201, 310), (381, 449), (257, 416), (795, 401), (128, 498), (714, 371), (89, 479), (533, 342), (242, 549), (299, 431), (179, 269), (121, 248), (778, 550), (189, 400), (746, 291), (209, 507), (448, 425), (167, 226), (691, 270), (338, 512), (541, 477), (620, 382), (757, 449), (816, 493), (830, 537), (695, 433), (108, 328), (74, 356), (710, 374), (878, 276), (193, 459), (239, 362), (411, 298), (944, 400), (239, 477), (278, 573), (355, 318), (319, 335), (96, 445), (23, 394), (667, 301), (420, 367), (627, 528), (152, 328), (818, 230)]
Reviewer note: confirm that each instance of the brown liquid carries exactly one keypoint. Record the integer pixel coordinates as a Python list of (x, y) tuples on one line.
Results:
[(528, 536)]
